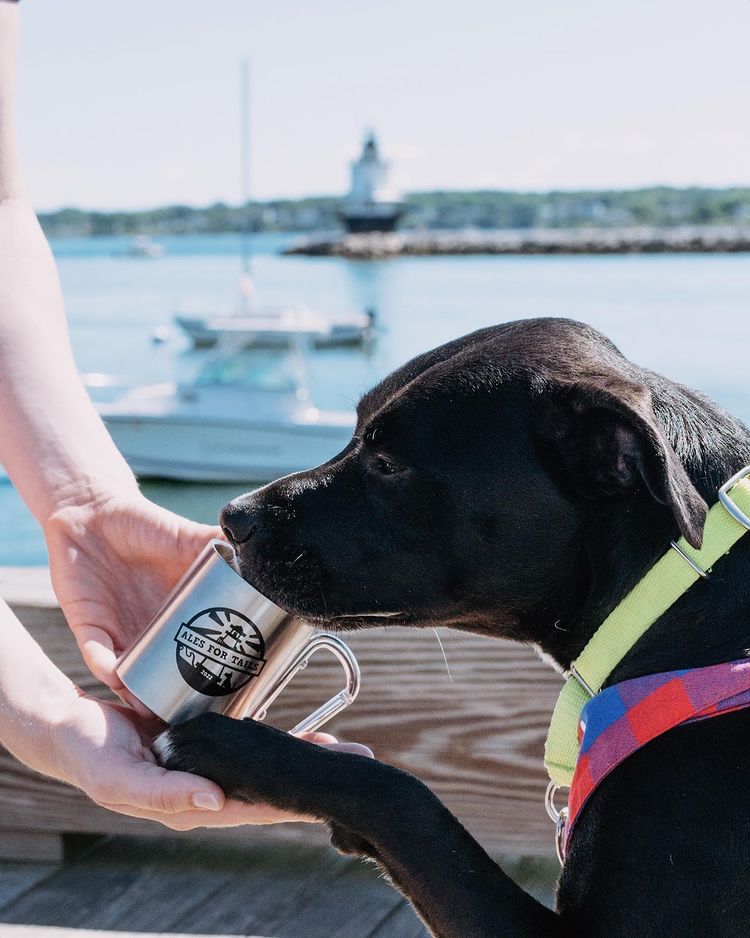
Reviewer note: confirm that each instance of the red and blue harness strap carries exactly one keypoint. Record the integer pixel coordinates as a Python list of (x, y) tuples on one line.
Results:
[(622, 718)]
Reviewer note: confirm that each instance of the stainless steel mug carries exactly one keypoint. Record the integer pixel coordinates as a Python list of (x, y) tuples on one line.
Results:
[(218, 644)]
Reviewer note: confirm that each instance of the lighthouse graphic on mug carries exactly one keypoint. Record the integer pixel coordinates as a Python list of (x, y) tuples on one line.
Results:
[(219, 650)]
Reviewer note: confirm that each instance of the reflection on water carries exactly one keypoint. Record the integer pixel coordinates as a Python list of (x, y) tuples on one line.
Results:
[(686, 316)]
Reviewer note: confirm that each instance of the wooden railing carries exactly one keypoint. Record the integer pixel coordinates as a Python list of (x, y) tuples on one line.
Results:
[(475, 736)]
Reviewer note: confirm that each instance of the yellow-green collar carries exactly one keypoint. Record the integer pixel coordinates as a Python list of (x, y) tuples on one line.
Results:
[(660, 588)]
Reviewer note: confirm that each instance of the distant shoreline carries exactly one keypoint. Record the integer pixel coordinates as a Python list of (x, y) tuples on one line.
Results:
[(445, 211), (632, 240)]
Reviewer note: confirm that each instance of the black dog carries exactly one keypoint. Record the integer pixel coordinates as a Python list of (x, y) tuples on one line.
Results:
[(524, 476)]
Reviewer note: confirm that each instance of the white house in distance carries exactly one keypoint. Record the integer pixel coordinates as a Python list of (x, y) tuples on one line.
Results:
[(370, 204)]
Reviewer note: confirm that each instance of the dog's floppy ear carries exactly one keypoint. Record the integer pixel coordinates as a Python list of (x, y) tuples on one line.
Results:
[(606, 433)]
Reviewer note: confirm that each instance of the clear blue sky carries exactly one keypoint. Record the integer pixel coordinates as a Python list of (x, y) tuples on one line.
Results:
[(132, 104)]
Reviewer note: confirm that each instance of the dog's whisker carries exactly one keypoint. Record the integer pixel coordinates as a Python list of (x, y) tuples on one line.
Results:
[(298, 557), (445, 657)]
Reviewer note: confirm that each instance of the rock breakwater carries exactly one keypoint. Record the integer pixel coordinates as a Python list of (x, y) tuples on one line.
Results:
[(377, 245)]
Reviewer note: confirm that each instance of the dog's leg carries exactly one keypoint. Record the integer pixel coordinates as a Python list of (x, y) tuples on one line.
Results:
[(375, 811)]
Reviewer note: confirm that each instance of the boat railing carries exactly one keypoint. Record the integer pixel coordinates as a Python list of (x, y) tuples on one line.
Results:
[(104, 388), (99, 379)]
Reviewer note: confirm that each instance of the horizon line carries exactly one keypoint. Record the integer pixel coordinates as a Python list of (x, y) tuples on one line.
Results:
[(415, 192)]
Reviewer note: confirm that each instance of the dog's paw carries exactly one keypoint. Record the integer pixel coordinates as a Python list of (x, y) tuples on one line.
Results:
[(216, 747), (249, 760), (197, 741)]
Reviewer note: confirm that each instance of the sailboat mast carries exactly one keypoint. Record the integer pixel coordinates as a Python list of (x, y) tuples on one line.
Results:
[(245, 161)]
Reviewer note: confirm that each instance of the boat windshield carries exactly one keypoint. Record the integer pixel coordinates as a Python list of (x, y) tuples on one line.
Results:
[(250, 372)]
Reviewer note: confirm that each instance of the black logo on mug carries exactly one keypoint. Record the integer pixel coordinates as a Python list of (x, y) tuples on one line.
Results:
[(219, 650)]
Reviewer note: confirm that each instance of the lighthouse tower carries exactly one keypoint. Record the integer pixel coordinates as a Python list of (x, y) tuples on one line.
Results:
[(370, 204)]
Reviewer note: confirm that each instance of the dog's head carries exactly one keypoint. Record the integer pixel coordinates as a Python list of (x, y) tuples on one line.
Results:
[(468, 491)]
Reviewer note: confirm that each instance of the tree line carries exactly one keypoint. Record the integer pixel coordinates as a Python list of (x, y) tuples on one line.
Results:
[(657, 206)]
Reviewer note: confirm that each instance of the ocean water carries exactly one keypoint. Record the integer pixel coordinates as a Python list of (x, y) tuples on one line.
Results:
[(686, 316)]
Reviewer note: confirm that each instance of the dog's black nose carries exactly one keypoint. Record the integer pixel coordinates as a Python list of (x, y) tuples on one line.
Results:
[(236, 522)]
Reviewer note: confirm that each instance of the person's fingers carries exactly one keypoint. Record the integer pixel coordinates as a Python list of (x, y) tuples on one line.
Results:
[(141, 709), (330, 742), (322, 739), (207, 532), (146, 786), (192, 535), (233, 814), (99, 654)]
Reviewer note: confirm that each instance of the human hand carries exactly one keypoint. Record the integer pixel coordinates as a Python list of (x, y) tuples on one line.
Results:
[(112, 561), (105, 750)]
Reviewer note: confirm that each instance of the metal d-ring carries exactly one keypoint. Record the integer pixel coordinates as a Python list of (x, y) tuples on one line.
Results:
[(560, 819), (734, 510), (689, 560)]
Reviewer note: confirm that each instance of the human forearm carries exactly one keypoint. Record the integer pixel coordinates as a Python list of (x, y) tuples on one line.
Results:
[(52, 442), (34, 697), (11, 184), (103, 749)]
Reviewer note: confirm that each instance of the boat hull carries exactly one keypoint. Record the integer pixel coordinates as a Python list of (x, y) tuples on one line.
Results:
[(207, 332), (221, 451)]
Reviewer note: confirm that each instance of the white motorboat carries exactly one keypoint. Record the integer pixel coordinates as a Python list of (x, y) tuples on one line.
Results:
[(143, 246), (263, 327), (245, 418)]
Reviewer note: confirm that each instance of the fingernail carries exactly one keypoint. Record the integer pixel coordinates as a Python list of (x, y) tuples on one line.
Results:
[(205, 801), (356, 749)]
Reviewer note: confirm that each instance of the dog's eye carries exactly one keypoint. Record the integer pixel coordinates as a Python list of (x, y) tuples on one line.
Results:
[(387, 466)]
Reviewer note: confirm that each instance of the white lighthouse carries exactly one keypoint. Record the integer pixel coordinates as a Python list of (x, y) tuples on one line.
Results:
[(370, 205)]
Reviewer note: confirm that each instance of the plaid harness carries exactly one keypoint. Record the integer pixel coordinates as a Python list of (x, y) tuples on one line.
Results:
[(622, 718)]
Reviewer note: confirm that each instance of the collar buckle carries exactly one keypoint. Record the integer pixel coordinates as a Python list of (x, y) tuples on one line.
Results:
[(739, 516)]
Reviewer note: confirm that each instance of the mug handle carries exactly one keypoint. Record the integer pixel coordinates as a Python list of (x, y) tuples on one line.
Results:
[(331, 707)]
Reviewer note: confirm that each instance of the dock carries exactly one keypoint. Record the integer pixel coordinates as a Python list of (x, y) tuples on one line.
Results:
[(128, 886), (474, 735)]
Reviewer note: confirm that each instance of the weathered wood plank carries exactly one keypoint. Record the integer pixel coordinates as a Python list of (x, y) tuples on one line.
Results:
[(477, 740), (256, 899), (140, 885), (403, 921), (31, 845), (536, 875), (17, 878), (27, 586), (315, 893), (165, 886), (44, 931), (346, 907)]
